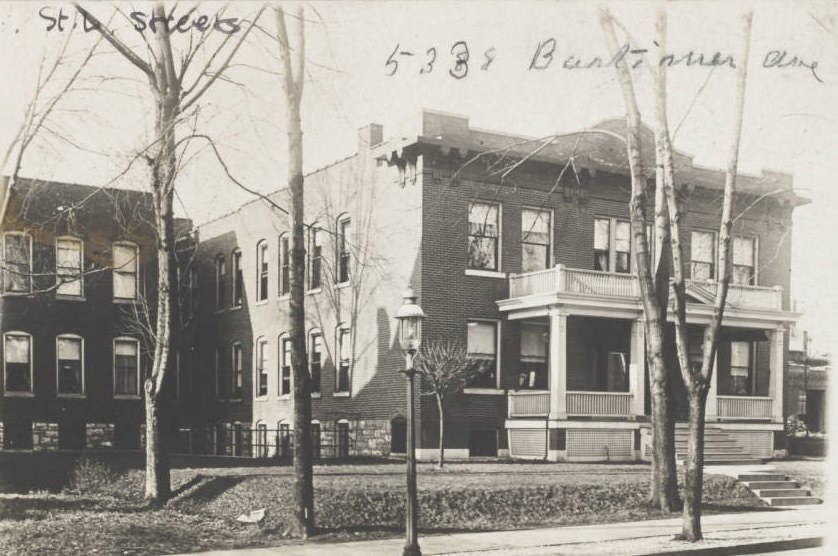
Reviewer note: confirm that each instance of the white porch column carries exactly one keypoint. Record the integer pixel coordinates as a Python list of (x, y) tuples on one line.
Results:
[(711, 412), (637, 374), (558, 363), (777, 368)]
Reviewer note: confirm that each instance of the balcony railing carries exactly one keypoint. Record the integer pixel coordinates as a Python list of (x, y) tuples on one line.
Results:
[(529, 404), (744, 407), (596, 404), (561, 279)]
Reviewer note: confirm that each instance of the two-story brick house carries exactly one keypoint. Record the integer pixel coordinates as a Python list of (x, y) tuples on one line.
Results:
[(520, 249), (75, 263)]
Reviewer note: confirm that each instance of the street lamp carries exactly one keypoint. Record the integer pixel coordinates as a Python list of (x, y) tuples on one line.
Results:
[(410, 317)]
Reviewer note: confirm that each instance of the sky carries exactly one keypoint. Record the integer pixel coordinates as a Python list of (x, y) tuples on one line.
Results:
[(789, 122)]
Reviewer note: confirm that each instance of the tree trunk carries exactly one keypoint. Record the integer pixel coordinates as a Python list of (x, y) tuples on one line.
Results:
[(694, 467), (441, 430), (157, 478)]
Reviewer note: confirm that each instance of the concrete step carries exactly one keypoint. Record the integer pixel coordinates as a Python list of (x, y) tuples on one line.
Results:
[(793, 501), (726, 461), (761, 477), (782, 492), (764, 485)]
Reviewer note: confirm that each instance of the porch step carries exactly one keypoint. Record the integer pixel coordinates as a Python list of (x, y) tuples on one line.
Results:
[(777, 489), (743, 477), (760, 485), (782, 492), (793, 501)]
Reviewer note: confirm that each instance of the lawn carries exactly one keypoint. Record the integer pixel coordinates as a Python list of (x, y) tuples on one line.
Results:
[(351, 501), (810, 473)]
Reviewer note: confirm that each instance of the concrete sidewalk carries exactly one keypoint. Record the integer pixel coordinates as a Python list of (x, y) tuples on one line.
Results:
[(738, 533)]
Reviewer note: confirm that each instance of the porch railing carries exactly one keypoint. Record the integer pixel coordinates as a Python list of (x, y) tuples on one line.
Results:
[(529, 404), (744, 407), (761, 297), (598, 403)]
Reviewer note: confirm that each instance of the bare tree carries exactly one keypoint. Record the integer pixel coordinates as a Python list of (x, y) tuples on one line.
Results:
[(446, 368), (173, 96)]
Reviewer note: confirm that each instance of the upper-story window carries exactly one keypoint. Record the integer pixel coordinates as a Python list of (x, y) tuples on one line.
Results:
[(315, 256), (284, 266), (126, 367), (482, 345), (315, 361), (238, 372), (535, 239), (70, 364), (343, 252), (284, 365), (220, 280), (261, 367), (702, 255), (17, 262), (68, 266), (612, 251), (262, 269), (344, 359), (483, 236), (17, 361), (125, 270), (744, 256), (238, 279)]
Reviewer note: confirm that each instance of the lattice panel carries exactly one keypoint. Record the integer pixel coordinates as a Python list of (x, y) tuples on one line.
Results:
[(756, 443), (605, 444), (527, 443)]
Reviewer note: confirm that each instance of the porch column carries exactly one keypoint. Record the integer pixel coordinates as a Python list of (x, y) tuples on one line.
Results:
[(637, 367), (777, 367), (711, 413), (558, 363)]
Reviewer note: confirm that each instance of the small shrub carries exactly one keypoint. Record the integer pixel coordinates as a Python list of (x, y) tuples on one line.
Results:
[(91, 476), (795, 426)]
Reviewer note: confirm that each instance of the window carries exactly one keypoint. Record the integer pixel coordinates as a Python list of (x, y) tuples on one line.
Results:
[(482, 346), (190, 299), (535, 239), (617, 375), (483, 235), (68, 266), (17, 262), (533, 363), (125, 267), (740, 368), (262, 267), (315, 249), (315, 361), (743, 261), (702, 255), (344, 258), (17, 351), (612, 253), (262, 367), (284, 267), (238, 372), (238, 280), (220, 373), (220, 281), (70, 364), (344, 359), (284, 366), (126, 367)]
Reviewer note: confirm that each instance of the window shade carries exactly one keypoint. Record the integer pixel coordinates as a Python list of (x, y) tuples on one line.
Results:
[(481, 338)]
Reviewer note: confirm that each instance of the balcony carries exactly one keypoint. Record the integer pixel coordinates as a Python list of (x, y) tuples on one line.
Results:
[(744, 407), (591, 283)]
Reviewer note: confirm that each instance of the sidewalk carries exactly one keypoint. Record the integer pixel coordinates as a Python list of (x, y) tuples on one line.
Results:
[(749, 532)]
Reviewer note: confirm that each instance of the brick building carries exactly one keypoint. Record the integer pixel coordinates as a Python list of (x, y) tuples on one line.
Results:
[(76, 261), (523, 257)]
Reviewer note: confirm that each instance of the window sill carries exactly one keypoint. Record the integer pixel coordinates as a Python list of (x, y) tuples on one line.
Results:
[(235, 400), (485, 273), (236, 307), (284, 397), (65, 297), (262, 302), (126, 396), (314, 291), (125, 301), (261, 398), (489, 391), (18, 294), (316, 395), (19, 394), (341, 285), (71, 396), (341, 395), (284, 297)]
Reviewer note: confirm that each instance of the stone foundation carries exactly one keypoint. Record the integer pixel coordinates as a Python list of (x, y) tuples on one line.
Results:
[(99, 435), (372, 438), (44, 436)]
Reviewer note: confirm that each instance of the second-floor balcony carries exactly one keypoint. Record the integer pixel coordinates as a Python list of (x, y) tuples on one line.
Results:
[(592, 283)]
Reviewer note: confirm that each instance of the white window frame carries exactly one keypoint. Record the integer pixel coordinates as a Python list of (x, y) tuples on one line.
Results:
[(21, 393), (342, 247), (755, 239), (339, 331), (715, 241), (283, 260), (613, 222), (236, 259), (311, 335), (236, 370), (58, 391), (489, 272), (135, 272), (79, 271), (550, 238), (481, 389), (281, 340), (259, 367), (314, 234), (220, 281), (31, 262), (136, 342), (263, 269)]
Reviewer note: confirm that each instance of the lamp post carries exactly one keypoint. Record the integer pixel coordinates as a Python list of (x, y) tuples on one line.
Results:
[(410, 317)]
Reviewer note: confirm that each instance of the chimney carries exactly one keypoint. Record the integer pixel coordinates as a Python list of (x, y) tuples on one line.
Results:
[(370, 135)]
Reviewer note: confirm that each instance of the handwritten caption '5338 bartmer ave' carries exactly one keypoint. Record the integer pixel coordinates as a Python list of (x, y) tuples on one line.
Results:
[(459, 61)]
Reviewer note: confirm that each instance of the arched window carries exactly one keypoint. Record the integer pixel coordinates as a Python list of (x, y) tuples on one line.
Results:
[(344, 259), (69, 357), (344, 363), (238, 280), (315, 256), (220, 280), (17, 262), (261, 378), (238, 371), (126, 366), (284, 379), (284, 266), (17, 361), (315, 361), (126, 258), (262, 270), (68, 266)]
